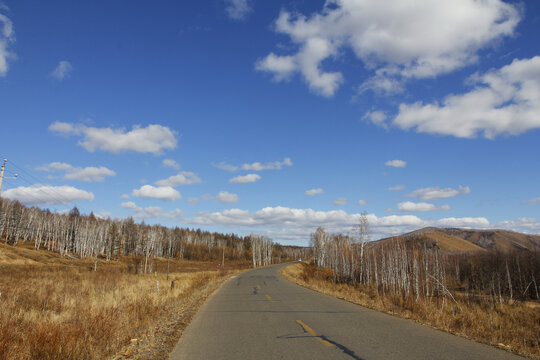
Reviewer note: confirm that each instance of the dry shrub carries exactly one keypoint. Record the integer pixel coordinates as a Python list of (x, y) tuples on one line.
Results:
[(511, 326)]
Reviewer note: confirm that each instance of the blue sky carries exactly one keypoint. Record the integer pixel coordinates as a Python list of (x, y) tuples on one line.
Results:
[(275, 117)]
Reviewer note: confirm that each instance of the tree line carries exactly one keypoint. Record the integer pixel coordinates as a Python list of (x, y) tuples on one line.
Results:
[(413, 270), (74, 234)]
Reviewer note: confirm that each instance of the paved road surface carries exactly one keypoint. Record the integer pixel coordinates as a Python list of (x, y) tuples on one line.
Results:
[(260, 315)]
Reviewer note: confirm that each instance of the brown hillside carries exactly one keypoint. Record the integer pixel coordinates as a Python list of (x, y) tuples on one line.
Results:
[(469, 240), (501, 240)]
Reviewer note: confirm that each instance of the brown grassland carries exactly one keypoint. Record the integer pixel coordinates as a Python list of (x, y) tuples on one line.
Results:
[(514, 327), (52, 307)]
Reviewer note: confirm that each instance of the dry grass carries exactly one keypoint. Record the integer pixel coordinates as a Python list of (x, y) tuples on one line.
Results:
[(512, 327), (56, 308)]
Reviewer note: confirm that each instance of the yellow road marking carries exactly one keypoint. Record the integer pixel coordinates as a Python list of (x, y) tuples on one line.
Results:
[(313, 333), (259, 287), (270, 298)]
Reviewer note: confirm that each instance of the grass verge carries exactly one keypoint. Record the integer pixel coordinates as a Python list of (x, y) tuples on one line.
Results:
[(57, 308)]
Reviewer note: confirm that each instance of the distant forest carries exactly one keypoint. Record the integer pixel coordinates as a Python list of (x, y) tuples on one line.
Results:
[(74, 234)]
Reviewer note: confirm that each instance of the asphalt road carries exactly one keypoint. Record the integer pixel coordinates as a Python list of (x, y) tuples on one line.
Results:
[(260, 315)]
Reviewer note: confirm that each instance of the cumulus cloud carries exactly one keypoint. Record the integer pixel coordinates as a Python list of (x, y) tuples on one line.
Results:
[(7, 38), (225, 197), (420, 207), (170, 163), (376, 117), (238, 9), (130, 205), (87, 174), (435, 193), (256, 166), (152, 212), (291, 223), (161, 192), (396, 39), (249, 178), (313, 192), (182, 178), (532, 201), (151, 139), (193, 200), (503, 101), (362, 202), (39, 194), (62, 70), (274, 165), (527, 225), (396, 163), (340, 201), (396, 188), (224, 166)]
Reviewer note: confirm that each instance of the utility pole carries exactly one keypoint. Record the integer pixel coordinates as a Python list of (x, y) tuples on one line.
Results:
[(2, 175)]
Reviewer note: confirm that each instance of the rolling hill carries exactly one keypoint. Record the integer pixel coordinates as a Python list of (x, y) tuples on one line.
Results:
[(454, 239)]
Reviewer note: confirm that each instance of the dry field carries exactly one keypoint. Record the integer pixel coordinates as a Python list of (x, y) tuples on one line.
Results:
[(512, 327), (57, 308)]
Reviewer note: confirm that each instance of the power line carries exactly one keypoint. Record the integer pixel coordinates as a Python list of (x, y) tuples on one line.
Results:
[(57, 197), (2, 177)]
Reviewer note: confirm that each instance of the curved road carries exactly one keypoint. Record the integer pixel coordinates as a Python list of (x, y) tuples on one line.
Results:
[(260, 315)]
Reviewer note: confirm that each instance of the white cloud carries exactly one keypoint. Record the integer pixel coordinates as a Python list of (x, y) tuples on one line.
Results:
[(313, 192), (340, 201), (396, 163), (7, 37), (362, 202), (224, 166), (131, 205), (125, 196), (421, 207), (151, 139), (435, 193), (376, 117), (55, 166), (396, 188), (170, 163), (389, 210), (256, 166), (396, 39), (532, 201), (39, 194), (274, 165), (503, 101), (182, 178), (290, 223), (62, 70), (152, 212), (527, 225), (226, 198), (88, 174), (155, 212), (162, 192), (207, 197), (193, 200), (249, 178), (238, 9)]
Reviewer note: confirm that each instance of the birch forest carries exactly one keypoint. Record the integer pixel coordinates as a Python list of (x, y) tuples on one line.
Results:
[(82, 236), (414, 272)]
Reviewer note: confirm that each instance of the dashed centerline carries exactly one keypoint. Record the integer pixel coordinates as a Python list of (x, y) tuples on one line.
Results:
[(313, 333)]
